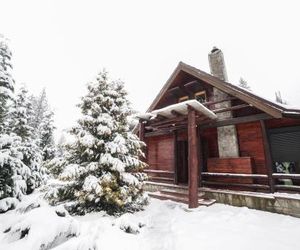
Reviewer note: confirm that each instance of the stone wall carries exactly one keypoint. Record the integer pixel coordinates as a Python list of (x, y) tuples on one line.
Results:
[(227, 136), (275, 203)]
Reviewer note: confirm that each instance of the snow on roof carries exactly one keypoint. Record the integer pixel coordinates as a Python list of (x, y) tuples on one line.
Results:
[(181, 108)]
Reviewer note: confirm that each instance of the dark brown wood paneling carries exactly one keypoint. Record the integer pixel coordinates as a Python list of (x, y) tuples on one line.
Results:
[(251, 144), (284, 122), (160, 152), (240, 165)]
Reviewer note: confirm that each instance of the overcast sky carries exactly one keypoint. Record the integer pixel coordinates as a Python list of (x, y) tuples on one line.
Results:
[(61, 45)]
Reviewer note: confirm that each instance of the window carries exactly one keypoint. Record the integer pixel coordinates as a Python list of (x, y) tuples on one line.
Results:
[(200, 96), (183, 98)]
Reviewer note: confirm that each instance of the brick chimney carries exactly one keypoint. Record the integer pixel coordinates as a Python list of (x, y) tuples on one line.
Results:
[(227, 136)]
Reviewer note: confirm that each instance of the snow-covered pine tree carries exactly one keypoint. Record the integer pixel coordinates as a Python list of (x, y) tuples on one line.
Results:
[(21, 118), (13, 172), (105, 166), (6, 82), (244, 84), (47, 137), (43, 123)]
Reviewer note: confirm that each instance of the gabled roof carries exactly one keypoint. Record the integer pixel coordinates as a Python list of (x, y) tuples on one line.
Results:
[(272, 108)]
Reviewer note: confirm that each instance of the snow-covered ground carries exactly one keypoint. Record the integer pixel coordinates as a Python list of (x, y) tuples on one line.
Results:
[(162, 225)]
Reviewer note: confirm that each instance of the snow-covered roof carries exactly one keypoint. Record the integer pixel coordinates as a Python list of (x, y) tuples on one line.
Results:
[(182, 108), (275, 109)]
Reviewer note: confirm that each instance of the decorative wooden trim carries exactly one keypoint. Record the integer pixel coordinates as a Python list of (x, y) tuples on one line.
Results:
[(268, 157)]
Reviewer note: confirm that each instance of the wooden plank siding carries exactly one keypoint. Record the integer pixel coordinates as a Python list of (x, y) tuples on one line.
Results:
[(250, 141), (160, 152)]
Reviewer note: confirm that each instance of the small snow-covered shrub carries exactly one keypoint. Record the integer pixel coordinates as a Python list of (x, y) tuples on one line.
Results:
[(129, 224), (53, 226), (8, 204)]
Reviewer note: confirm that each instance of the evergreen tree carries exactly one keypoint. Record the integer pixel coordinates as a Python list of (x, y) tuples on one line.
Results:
[(13, 172), (43, 123), (244, 84), (6, 82), (21, 118), (104, 160), (279, 99)]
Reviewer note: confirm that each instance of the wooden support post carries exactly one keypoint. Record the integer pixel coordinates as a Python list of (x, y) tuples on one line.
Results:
[(268, 157), (200, 157), (142, 130), (193, 166), (175, 157)]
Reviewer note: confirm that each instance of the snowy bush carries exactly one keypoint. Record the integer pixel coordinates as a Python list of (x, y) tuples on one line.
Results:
[(8, 204), (104, 166), (53, 227), (129, 224)]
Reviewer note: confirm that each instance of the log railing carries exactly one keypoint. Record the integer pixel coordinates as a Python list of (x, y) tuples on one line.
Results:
[(280, 187), (223, 183), (255, 186)]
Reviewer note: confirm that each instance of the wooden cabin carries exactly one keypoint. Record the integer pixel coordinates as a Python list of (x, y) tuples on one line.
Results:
[(202, 131)]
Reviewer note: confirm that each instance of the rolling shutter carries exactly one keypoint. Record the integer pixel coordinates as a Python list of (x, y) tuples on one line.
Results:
[(285, 144)]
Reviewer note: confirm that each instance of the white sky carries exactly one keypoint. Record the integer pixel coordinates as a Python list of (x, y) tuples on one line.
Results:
[(61, 45)]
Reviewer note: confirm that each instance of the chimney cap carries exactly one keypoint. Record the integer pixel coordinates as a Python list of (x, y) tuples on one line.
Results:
[(214, 50)]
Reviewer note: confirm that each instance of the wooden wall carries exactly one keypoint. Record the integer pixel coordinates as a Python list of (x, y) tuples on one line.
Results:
[(251, 144), (280, 123), (160, 152)]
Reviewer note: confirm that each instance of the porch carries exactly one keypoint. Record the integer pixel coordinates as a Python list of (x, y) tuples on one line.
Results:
[(188, 128)]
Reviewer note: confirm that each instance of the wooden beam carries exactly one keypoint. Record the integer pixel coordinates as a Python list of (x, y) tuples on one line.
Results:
[(230, 175), (176, 113), (230, 108), (268, 158), (225, 184), (286, 176), (288, 187), (191, 84), (236, 120), (219, 101), (193, 159), (160, 117)]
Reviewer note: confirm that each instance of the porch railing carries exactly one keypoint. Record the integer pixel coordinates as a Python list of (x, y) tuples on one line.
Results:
[(255, 186)]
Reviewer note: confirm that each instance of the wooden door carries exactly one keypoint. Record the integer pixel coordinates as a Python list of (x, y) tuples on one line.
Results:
[(182, 162)]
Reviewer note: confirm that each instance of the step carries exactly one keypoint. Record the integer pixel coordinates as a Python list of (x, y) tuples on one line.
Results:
[(158, 178), (206, 202), (179, 192), (154, 171), (161, 196)]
